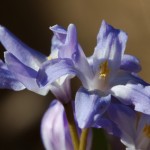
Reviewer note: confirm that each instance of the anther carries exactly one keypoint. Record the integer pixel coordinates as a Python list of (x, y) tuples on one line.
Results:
[(104, 69)]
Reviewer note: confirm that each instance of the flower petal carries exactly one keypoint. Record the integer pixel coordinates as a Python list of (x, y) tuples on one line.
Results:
[(130, 63), (108, 125), (25, 54), (70, 47), (58, 40), (122, 77), (54, 69), (122, 115), (59, 32), (24, 74), (110, 47), (3, 65), (7, 80), (65, 41), (61, 89), (89, 106), (66, 45), (133, 136), (54, 128), (133, 94)]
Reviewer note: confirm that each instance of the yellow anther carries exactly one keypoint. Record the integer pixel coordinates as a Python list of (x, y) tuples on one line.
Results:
[(104, 70), (49, 57), (146, 130)]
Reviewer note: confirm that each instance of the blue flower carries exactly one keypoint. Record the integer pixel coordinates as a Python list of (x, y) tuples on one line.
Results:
[(108, 72), (134, 127), (54, 129), (22, 65)]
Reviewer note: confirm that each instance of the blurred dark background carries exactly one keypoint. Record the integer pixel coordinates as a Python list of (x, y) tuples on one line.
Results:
[(21, 112)]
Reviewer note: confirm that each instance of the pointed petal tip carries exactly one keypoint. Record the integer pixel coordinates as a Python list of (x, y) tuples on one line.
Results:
[(104, 22), (58, 29), (2, 31), (53, 27), (109, 27), (1, 27)]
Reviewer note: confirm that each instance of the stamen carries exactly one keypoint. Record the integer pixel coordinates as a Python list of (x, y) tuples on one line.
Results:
[(104, 70), (146, 130)]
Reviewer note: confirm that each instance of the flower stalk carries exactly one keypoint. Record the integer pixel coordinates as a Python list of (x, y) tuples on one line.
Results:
[(72, 127), (83, 139)]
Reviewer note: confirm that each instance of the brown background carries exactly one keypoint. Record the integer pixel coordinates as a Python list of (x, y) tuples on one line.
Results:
[(21, 112)]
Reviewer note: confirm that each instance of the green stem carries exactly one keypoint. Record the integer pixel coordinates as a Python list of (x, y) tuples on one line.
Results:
[(83, 139), (72, 126)]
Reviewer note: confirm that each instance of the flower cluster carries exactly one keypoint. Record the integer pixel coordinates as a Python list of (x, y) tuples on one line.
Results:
[(112, 95)]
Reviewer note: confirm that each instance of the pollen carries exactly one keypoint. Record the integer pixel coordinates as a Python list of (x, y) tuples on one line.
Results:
[(146, 130), (104, 69)]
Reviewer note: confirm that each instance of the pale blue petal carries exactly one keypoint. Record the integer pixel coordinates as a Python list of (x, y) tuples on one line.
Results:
[(58, 39), (59, 32), (65, 41), (131, 125), (7, 80), (21, 51), (130, 63), (3, 65), (54, 128), (110, 47), (108, 125), (24, 74), (66, 45), (62, 89), (122, 77), (133, 94), (53, 70), (70, 47), (125, 119), (55, 131), (89, 106)]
